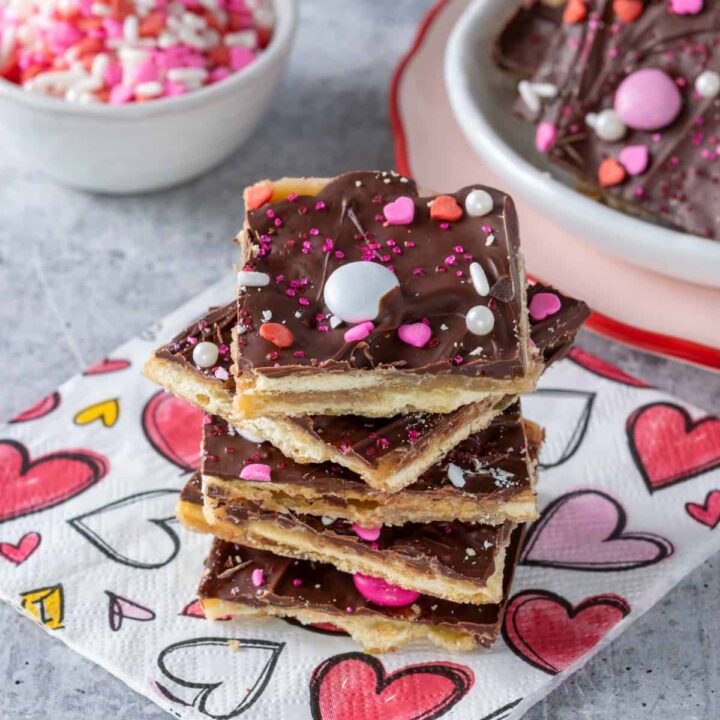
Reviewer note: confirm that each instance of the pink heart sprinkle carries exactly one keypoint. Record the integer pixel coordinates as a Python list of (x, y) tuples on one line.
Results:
[(545, 136), (400, 212), (368, 534), (634, 159), (358, 332), (258, 577), (415, 334), (256, 471), (544, 305), (686, 7)]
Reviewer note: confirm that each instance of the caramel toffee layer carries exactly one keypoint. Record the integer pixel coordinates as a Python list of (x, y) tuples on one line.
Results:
[(464, 551), (587, 60), (303, 584), (370, 440), (301, 241), (492, 463)]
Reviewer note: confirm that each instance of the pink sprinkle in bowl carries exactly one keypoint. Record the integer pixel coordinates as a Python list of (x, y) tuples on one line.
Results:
[(141, 147)]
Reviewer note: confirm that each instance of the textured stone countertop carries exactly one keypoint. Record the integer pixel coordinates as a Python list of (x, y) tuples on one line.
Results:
[(80, 274)]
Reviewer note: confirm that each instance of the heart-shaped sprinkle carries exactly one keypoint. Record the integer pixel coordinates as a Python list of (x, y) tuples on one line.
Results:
[(628, 10), (415, 334), (258, 472), (359, 332), (369, 534), (575, 12), (445, 207), (611, 172), (545, 136), (276, 334), (258, 195), (400, 211), (544, 305), (635, 159), (686, 7)]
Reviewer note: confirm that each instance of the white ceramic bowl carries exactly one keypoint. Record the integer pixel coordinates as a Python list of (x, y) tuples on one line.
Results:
[(140, 147), (481, 96)]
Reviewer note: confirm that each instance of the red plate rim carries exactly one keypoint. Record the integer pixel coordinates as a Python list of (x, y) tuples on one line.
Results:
[(657, 343)]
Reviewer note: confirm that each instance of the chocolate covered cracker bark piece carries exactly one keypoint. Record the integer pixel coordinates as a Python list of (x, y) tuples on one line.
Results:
[(488, 478), (628, 101), (241, 581), (369, 299)]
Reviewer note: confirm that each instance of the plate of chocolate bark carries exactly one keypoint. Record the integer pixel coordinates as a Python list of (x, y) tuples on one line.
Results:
[(604, 116)]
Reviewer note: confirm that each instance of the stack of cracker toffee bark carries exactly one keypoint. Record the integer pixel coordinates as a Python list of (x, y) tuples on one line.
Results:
[(365, 460)]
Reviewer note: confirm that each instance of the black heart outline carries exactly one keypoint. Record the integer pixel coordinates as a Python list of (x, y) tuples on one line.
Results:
[(461, 677), (115, 612), (199, 703), (97, 541), (98, 466), (690, 425), (503, 712), (580, 431), (664, 546)]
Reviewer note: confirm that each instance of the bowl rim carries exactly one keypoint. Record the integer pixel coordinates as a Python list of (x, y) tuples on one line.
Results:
[(605, 228), (285, 24)]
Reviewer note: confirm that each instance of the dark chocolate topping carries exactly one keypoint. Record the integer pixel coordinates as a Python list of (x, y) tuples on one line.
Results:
[(301, 241), (588, 60), (324, 588), (492, 462), (192, 491)]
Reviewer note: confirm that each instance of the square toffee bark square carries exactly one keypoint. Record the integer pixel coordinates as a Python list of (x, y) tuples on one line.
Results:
[(368, 298)]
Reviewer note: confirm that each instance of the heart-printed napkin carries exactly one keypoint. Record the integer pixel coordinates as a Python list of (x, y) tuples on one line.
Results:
[(90, 548)]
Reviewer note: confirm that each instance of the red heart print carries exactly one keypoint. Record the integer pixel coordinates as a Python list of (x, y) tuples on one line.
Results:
[(174, 428), (30, 485), (548, 632), (355, 685), (707, 514), (21, 551), (595, 365), (107, 365), (669, 447), (40, 409)]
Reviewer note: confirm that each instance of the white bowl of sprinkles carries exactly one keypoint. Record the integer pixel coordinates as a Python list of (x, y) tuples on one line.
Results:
[(176, 133)]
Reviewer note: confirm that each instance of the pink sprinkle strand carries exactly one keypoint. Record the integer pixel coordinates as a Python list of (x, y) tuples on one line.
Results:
[(258, 577), (258, 472), (545, 137), (369, 534), (78, 54), (358, 332)]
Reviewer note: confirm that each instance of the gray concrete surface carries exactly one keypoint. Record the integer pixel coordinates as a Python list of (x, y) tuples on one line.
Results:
[(80, 274)]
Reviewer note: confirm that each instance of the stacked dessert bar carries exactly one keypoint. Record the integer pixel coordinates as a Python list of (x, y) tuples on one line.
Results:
[(365, 461)]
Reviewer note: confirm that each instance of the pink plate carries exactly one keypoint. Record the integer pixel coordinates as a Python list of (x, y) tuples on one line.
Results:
[(639, 307)]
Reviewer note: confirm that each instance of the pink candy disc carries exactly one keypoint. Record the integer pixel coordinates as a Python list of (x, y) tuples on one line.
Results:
[(382, 593), (634, 159), (544, 305), (359, 332), (545, 136), (647, 99), (415, 334), (258, 472), (258, 577), (400, 212), (686, 7), (369, 534)]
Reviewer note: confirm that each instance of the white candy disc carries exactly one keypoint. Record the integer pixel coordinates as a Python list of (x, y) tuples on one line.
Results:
[(205, 354), (478, 203), (353, 291), (708, 84), (249, 278), (247, 435), (479, 279), (480, 320), (607, 125)]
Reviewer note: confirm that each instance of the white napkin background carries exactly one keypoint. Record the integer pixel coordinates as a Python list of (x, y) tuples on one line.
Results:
[(126, 573)]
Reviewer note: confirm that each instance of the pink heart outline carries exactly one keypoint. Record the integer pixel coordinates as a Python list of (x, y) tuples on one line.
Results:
[(585, 530)]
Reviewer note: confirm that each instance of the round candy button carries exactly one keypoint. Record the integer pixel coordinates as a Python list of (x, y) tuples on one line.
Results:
[(380, 592), (647, 99), (353, 291), (205, 354)]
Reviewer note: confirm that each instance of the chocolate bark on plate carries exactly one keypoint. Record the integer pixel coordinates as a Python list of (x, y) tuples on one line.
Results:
[(241, 581), (628, 101), (369, 299), (487, 478), (384, 452)]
